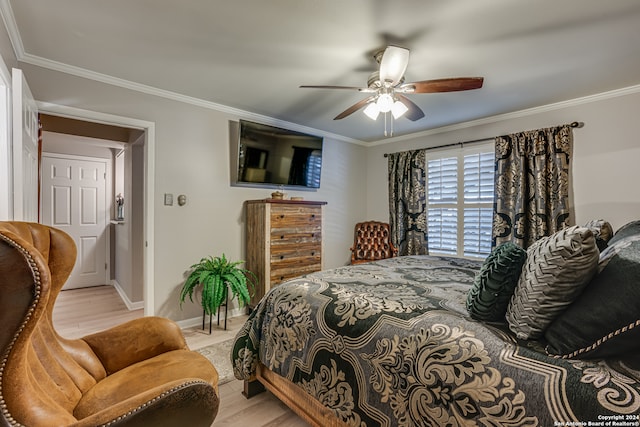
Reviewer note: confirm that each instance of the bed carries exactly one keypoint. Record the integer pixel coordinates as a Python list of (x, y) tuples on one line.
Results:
[(391, 343)]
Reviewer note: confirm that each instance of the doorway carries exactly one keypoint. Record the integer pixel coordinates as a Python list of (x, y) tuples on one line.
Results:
[(6, 182), (130, 255), (74, 200)]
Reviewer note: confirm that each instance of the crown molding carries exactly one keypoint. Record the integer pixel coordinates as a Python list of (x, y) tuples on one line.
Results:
[(247, 115), (9, 20), (12, 28), (150, 90), (16, 41), (513, 115), (174, 96)]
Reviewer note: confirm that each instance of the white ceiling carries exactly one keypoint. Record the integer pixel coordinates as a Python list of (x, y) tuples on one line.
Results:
[(252, 55)]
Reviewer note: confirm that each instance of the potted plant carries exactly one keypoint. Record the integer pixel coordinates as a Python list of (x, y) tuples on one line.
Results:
[(215, 277)]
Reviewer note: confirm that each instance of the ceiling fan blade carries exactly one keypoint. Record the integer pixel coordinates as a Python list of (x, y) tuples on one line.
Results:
[(442, 85), (393, 64), (414, 112), (355, 107), (359, 89)]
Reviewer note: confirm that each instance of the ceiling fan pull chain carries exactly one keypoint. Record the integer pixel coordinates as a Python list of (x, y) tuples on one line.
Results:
[(385, 124), (391, 120)]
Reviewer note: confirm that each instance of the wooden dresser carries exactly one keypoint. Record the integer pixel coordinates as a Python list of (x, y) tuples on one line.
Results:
[(283, 240)]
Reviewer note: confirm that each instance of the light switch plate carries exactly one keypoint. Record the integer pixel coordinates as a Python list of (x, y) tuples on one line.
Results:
[(168, 199)]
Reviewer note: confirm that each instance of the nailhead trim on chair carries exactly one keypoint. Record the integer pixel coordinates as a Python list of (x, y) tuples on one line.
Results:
[(5, 356), (37, 293), (144, 405)]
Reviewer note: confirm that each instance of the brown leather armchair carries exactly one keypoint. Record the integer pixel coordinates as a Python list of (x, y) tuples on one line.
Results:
[(372, 241), (140, 373)]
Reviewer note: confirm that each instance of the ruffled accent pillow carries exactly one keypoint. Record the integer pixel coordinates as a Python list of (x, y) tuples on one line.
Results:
[(557, 269), (602, 231), (494, 284), (604, 320)]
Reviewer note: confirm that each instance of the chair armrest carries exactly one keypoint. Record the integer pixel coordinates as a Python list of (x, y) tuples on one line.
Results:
[(394, 250), (135, 341), (192, 403)]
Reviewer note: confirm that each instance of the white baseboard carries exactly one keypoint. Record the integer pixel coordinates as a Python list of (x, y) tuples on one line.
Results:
[(197, 321), (125, 298)]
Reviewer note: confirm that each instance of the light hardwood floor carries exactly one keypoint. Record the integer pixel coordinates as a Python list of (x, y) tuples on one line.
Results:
[(79, 312)]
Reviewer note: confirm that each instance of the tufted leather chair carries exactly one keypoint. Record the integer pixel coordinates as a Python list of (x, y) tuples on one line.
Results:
[(372, 241), (140, 373)]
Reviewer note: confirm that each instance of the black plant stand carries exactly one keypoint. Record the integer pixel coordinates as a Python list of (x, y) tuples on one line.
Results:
[(225, 305)]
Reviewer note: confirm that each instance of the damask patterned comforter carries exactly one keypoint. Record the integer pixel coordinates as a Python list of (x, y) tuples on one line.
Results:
[(390, 343)]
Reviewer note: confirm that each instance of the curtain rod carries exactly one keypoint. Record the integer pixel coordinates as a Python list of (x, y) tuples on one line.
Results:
[(461, 143)]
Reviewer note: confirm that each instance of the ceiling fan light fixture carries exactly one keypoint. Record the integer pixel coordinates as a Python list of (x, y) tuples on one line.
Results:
[(385, 102), (387, 88), (393, 65), (398, 109), (372, 110)]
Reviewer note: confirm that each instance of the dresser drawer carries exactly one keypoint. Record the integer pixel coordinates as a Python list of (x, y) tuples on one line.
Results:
[(291, 268), (306, 250), (295, 236), (295, 217)]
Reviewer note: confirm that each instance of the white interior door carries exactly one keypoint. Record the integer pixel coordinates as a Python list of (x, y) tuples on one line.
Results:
[(6, 169), (73, 200), (25, 150)]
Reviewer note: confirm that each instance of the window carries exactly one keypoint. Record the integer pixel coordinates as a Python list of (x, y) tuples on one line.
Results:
[(460, 201)]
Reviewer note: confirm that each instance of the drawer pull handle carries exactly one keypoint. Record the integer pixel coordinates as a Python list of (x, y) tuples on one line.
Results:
[(281, 216), (313, 234), (281, 256), (313, 253), (281, 237)]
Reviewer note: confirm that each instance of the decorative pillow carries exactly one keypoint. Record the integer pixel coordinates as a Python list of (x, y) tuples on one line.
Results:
[(605, 320), (630, 229), (494, 284), (602, 231), (557, 269)]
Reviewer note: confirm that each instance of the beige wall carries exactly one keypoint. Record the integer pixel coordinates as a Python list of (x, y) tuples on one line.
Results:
[(60, 143), (606, 175), (192, 157), (128, 236)]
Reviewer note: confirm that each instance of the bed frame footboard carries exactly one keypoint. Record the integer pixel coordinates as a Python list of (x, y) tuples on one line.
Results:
[(305, 406)]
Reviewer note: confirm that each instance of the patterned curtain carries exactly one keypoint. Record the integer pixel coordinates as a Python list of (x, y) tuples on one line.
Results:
[(531, 185), (407, 202)]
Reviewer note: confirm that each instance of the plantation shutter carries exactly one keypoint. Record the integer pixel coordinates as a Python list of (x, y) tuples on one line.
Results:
[(460, 202), (478, 177), (442, 215), (478, 190)]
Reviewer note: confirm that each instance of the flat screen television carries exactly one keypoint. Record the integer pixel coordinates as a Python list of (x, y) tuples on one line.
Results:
[(268, 156)]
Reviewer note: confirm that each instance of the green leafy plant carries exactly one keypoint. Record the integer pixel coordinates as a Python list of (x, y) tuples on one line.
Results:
[(215, 276)]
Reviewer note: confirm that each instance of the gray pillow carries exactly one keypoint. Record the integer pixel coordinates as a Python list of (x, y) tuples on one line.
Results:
[(604, 320), (557, 269)]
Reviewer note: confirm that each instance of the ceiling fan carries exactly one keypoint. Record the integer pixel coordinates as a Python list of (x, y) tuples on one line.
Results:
[(388, 89)]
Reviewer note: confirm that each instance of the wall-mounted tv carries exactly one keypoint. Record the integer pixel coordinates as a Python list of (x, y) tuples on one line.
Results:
[(268, 156)]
